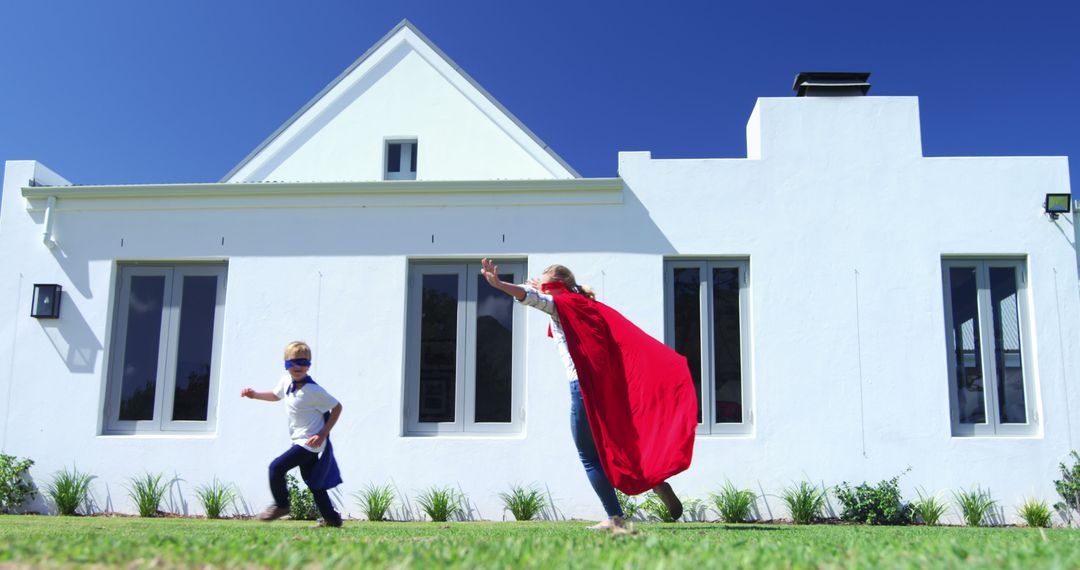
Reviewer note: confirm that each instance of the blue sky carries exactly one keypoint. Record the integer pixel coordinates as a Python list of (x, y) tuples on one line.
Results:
[(137, 91)]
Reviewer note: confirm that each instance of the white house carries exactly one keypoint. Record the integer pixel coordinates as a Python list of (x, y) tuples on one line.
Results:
[(851, 308)]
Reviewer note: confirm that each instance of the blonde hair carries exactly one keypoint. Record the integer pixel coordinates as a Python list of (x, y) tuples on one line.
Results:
[(297, 349), (563, 274)]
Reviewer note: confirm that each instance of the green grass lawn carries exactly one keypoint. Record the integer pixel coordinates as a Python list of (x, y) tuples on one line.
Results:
[(78, 542)]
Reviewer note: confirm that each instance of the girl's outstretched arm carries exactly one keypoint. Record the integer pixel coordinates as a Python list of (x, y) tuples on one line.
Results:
[(490, 271)]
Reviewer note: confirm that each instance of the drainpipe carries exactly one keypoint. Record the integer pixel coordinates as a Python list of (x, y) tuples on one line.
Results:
[(46, 236)]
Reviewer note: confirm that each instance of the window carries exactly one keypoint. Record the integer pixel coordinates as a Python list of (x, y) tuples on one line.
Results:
[(464, 355), (401, 160), (990, 386), (165, 348), (706, 320)]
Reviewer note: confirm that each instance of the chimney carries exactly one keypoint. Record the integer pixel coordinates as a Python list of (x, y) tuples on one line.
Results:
[(831, 84)]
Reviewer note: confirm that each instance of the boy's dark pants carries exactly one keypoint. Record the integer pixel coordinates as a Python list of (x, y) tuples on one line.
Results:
[(297, 456)]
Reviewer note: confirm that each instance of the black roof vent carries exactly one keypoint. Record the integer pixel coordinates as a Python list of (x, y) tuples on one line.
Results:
[(831, 84)]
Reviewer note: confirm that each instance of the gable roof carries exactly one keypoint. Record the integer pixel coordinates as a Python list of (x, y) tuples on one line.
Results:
[(479, 95)]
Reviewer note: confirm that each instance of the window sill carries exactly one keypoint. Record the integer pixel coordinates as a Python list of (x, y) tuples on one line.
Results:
[(159, 435)]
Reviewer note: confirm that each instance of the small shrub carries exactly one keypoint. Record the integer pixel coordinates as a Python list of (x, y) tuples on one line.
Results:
[(656, 508), (69, 490), (215, 498), (147, 491), (525, 503), (15, 485), (375, 501), (874, 505), (301, 501), (974, 505), (628, 504), (1035, 513), (734, 505), (928, 509), (440, 504), (804, 502), (1069, 487)]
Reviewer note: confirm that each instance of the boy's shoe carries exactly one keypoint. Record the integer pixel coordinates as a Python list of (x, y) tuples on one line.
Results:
[(327, 524), (273, 513), (610, 523), (671, 501)]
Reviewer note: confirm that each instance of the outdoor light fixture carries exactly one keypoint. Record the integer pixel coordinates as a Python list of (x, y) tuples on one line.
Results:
[(1057, 204), (46, 303)]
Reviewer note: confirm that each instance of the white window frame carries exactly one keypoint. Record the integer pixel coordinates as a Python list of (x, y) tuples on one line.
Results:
[(406, 170), (709, 425), (168, 347), (987, 344), (465, 382)]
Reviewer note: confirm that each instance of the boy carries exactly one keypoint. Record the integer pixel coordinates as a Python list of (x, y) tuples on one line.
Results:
[(312, 414)]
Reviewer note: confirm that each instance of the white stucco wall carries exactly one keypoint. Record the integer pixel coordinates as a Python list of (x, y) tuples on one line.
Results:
[(838, 197)]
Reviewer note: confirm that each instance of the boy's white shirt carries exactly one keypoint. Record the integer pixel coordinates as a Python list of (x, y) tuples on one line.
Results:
[(305, 407)]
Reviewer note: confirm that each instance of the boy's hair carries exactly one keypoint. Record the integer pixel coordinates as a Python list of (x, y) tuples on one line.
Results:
[(563, 274), (297, 349)]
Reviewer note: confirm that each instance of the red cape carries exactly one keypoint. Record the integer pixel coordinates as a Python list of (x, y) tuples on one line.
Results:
[(639, 396)]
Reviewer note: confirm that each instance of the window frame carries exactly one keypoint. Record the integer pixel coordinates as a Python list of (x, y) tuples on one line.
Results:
[(465, 366), (709, 425), (988, 345), (168, 348), (406, 169)]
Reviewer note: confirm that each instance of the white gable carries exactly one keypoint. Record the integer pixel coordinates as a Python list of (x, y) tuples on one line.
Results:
[(404, 88)]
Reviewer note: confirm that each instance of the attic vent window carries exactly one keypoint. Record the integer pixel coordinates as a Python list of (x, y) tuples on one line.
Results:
[(401, 160)]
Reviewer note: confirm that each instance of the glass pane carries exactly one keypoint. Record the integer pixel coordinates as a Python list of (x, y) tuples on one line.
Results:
[(412, 163), (965, 332), (1007, 349), (687, 312), (726, 351), (494, 351), (393, 157), (192, 393), (438, 347), (142, 340)]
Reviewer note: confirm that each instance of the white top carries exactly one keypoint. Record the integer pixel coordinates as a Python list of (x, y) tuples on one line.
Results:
[(306, 407), (546, 303)]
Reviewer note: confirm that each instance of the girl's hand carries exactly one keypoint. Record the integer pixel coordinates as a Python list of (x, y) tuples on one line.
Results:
[(534, 283), (490, 271), (315, 440), (247, 393)]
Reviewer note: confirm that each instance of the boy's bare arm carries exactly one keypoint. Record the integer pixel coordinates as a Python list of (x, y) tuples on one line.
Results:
[(265, 396), (317, 439)]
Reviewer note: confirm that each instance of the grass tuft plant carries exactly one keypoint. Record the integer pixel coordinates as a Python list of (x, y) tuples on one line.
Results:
[(525, 503), (1035, 513), (147, 491), (69, 490), (440, 503), (375, 501), (301, 501), (734, 505), (216, 497), (974, 505), (928, 509), (804, 502)]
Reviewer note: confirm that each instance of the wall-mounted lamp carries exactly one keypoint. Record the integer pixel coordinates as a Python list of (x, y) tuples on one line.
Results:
[(1057, 204), (46, 303)]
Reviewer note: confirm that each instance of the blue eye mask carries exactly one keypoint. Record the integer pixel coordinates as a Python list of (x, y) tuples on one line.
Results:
[(297, 362)]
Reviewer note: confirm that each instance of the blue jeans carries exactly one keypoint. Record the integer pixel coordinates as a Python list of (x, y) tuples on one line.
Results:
[(297, 456), (586, 446)]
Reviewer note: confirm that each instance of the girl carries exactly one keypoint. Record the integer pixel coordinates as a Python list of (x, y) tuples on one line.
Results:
[(614, 368)]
